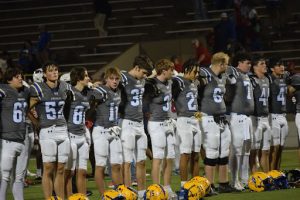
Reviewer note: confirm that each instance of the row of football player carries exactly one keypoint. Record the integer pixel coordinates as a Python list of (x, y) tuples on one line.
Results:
[(158, 91)]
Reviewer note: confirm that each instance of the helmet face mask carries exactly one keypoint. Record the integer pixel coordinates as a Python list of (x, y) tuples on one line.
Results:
[(260, 181), (112, 195), (38, 75), (279, 179)]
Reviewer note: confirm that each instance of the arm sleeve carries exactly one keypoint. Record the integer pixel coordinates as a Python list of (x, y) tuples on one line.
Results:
[(176, 89)]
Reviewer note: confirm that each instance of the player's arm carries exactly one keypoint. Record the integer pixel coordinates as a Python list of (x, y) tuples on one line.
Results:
[(30, 114), (176, 88), (68, 102), (123, 99), (150, 90)]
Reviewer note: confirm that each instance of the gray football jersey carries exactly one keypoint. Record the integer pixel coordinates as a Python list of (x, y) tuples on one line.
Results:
[(160, 104), (278, 92), (261, 92), (295, 82), (212, 102), (79, 105), (134, 90), (13, 108), (108, 108), (243, 100), (186, 102), (51, 104)]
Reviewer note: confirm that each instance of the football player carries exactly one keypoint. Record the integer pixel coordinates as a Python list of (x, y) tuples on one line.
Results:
[(158, 96), (216, 133), (262, 134), (278, 94), (134, 139), (185, 94), (107, 143), (75, 110), (48, 98), (13, 108), (240, 95)]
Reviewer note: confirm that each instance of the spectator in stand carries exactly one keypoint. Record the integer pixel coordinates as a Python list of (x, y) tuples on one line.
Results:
[(27, 57), (102, 12), (202, 55), (254, 30), (242, 9), (224, 33), (177, 63), (43, 44)]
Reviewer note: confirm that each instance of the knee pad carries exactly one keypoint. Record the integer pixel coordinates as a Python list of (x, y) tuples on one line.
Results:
[(48, 150), (210, 162), (128, 154), (223, 161), (64, 150)]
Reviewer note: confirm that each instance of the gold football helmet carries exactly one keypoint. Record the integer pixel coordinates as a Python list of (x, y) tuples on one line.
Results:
[(260, 181), (155, 192)]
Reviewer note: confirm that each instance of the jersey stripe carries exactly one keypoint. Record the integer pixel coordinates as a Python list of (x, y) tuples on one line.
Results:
[(181, 82), (124, 79), (207, 73), (2, 93), (38, 90)]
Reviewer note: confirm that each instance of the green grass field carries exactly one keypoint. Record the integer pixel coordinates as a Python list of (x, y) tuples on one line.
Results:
[(290, 161)]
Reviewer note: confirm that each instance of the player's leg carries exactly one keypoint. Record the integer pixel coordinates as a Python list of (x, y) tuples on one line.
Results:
[(20, 171), (159, 142), (142, 143), (63, 151), (256, 143), (70, 167), (82, 158), (185, 146), (224, 155), (265, 150), (248, 133), (195, 156), (283, 135), (240, 132), (101, 149), (170, 157), (275, 141), (8, 161), (116, 160), (49, 152), (128, 143), (211, 143)]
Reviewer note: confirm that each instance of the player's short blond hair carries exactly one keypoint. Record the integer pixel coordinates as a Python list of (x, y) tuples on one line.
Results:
[(163, 64), (112, 71), (219, 58)]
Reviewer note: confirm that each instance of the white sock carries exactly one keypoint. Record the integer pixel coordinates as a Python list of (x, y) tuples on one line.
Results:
[(245, 169), (182, 183), (141, 193), (38, 172), (232, 166), (238, 168), (168, 188), (3, 189), (18, 190)]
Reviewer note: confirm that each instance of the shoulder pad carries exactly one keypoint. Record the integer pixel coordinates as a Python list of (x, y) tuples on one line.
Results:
[(253, 80), (179, 81), (124, 79)]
